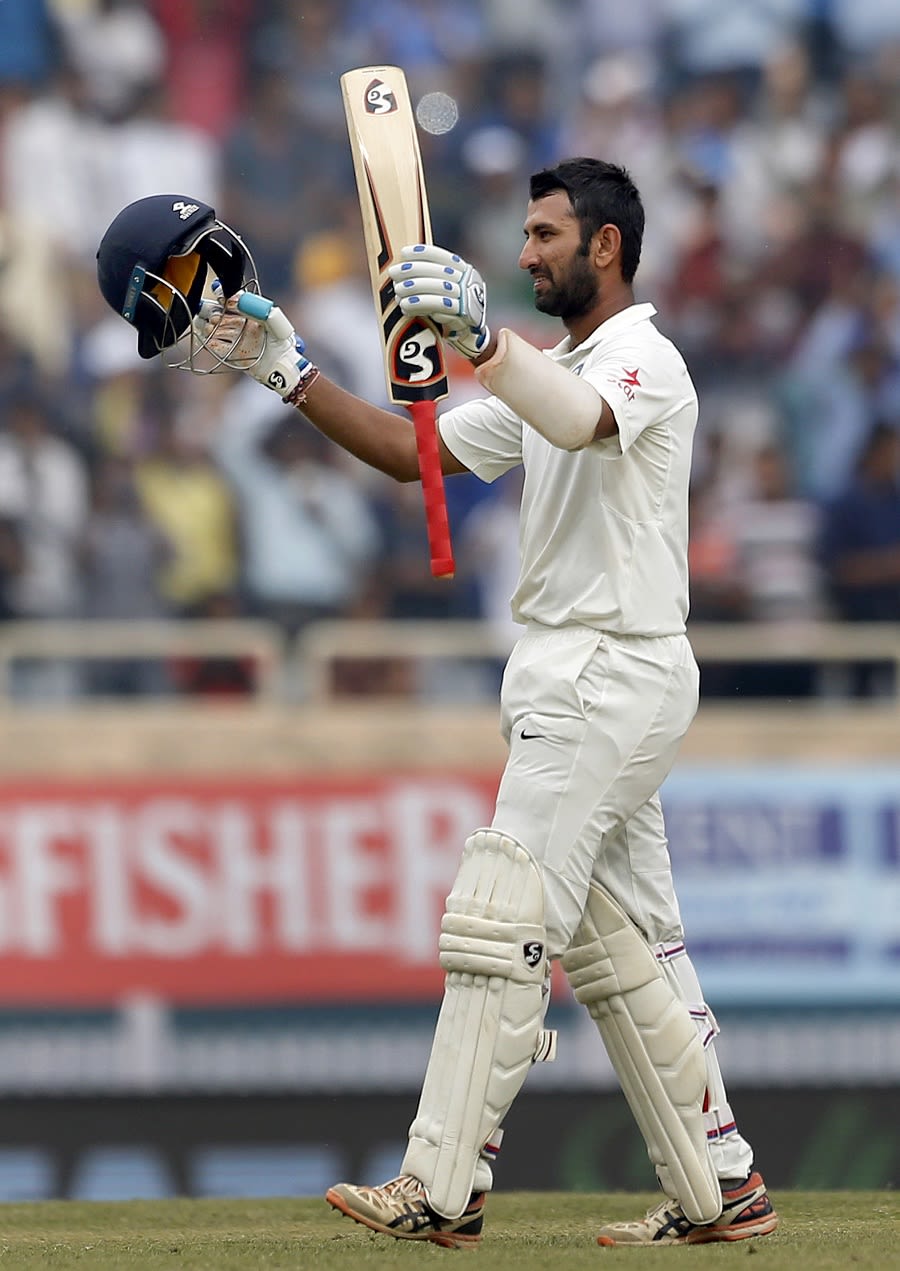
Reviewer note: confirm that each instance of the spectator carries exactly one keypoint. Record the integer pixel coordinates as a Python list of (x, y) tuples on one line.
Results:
[(192, 507), (619, 114), (332, 278), (718, 480), (117, 48), (827, 422), (861, 534), (44, 495), (122, 550), (775, 535), (405, 585), (861, 543), (489, 554), (27, 46), (816, 257), (44, 489), (54, 167), (493, 159), (862, 27), (424, 36), (279, 179), (705, 37), (779, 149), (122, 555), (11, 561), (716, 594), (519, 100), (699, 283), (310, 45), (205, 75), (307, 532), (152, 152), (865, 147)]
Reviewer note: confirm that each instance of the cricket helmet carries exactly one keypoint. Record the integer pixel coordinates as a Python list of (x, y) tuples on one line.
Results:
[(154, 262)]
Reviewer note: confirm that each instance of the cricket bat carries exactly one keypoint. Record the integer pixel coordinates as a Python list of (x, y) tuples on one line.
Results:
[(394, 206)]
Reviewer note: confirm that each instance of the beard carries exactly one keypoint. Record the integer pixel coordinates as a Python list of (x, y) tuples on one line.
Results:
[(573, 295)]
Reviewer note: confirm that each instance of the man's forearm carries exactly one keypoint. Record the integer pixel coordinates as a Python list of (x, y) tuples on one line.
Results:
[(378, 437)]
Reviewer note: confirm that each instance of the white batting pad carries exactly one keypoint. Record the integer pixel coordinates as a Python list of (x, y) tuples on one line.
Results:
[(653, 1045), (493, 950), (561, 406)]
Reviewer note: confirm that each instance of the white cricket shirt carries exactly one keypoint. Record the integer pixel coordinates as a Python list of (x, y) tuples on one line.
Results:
[(603, 531)]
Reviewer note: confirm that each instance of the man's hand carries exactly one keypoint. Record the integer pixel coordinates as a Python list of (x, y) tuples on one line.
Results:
[(251, 334), (444, 287)]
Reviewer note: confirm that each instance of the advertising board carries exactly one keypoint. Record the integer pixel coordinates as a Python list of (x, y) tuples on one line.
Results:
[(321, 890)]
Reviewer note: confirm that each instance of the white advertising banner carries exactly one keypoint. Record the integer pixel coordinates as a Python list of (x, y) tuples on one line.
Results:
[(789, 882)]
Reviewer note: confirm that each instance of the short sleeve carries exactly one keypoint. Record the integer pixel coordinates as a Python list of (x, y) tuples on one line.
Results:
[(639, 391), (485, 435)]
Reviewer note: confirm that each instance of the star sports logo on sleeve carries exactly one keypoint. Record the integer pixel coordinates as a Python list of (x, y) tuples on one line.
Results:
[(628, 381)]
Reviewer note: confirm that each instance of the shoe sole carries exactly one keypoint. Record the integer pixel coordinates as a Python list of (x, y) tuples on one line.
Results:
[(763, 1227), (447, 1240)]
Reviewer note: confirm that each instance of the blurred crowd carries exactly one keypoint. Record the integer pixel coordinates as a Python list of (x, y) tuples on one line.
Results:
[(765, 138)]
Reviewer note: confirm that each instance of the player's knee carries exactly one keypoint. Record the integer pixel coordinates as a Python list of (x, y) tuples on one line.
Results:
[(494, 920)]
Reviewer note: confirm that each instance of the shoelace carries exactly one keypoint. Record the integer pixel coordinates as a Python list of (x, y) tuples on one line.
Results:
[(403, 1185)]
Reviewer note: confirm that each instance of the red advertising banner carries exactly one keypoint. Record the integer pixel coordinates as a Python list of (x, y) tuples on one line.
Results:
[(250, 891)]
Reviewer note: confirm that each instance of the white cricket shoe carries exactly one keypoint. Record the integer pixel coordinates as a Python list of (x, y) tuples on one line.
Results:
[(400, 1208), (746, 1211)]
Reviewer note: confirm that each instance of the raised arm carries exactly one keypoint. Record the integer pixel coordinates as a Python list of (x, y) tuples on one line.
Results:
[(270, 351)]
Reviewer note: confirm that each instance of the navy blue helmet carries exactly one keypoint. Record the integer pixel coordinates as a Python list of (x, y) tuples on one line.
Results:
[(154, 261)]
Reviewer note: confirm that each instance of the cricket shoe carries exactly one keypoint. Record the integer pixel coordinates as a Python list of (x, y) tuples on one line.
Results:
[(746, 1211), (400, 1208)]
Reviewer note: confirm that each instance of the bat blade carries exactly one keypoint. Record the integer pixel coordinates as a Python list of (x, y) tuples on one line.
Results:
[(394, 205)]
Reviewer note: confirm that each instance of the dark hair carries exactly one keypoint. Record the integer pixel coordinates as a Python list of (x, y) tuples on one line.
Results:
[(601, 194)]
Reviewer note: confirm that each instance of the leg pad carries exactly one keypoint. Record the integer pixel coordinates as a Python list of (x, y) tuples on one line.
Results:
[(653, 1045), (493, 951)]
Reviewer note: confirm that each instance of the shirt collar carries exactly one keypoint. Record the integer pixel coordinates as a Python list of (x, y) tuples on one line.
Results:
[(612, 326)]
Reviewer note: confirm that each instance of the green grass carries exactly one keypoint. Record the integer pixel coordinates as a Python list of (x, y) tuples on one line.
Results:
[(827, 1231)]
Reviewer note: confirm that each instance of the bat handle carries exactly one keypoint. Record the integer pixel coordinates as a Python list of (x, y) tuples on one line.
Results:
[(436, 518)]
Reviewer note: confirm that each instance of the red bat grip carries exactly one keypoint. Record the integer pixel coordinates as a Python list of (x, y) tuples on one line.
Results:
[(436, 519)]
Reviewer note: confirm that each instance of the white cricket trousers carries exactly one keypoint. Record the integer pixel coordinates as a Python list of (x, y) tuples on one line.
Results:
[(594, 722)]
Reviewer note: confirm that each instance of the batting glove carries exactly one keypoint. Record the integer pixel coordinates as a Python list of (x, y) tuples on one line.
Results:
[(253, 335), (444, 287)]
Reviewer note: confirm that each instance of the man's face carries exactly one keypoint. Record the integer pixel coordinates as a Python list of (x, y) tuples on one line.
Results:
[(565, 282)]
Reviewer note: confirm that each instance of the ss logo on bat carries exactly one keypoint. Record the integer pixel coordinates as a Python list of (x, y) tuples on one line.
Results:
[(379, 98), (416, 359)]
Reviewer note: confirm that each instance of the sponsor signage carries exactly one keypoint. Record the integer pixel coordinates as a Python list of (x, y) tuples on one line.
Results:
[(789, 883), (331, 890), (257, 891)]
